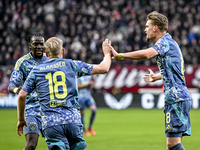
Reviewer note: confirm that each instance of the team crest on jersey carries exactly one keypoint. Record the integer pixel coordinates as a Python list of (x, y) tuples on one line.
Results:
[(32, 126), (14, 75)]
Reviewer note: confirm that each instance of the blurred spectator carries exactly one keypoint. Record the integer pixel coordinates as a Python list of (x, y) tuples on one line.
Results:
[(76, 45), (83, 25), (5, 81)]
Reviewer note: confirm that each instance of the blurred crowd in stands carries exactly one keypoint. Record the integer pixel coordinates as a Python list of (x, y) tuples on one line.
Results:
[(84, 24)]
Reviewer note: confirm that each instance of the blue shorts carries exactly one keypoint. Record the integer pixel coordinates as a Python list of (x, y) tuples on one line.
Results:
[(65, 137), (34, 125), (177, 119), (86, 102)]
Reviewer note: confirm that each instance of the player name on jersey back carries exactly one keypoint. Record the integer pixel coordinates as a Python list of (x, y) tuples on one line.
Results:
[(56, 65)]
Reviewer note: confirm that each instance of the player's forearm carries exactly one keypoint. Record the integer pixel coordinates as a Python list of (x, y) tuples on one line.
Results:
[(138, 55), (21, 108), (21, 105), (104, 66)]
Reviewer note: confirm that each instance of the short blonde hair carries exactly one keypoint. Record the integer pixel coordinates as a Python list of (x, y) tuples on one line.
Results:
[(158, 19), (54, 46)]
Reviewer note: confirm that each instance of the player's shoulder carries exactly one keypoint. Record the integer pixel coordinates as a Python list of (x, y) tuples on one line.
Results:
[(166, 38), (78, 63), (163, 41), (23, 59), (69, 62)]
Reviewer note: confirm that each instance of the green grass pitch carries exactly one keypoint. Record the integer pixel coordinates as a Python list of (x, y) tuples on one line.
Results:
[(129, 129)]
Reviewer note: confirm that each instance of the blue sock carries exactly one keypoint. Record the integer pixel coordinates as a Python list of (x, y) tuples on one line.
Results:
[(178, 146), (92, 117), (83, 122)]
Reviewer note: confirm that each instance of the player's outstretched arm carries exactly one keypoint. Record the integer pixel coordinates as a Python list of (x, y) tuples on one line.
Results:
[(104, 66), (136, 55), (21, 111), (151, 77)]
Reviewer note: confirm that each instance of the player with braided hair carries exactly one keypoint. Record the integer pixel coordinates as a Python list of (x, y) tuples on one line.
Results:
[(23, 67)]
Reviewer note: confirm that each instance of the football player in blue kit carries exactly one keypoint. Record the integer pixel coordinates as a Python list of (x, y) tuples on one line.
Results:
[(171, 65), (23, 67), (85, 84), (56, 84)]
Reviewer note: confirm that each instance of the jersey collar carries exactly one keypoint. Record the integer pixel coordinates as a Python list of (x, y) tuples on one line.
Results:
[(53, 58)]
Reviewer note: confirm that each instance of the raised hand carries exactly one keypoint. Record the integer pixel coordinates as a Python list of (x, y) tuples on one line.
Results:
[(105, 46), (114, 52), (149, 77)]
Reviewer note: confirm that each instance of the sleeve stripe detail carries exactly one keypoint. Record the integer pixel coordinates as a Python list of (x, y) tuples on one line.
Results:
[(21, 60)]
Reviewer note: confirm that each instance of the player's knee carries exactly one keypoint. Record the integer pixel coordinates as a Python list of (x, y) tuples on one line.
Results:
[(178, 146), (93, 107), (31, 146)]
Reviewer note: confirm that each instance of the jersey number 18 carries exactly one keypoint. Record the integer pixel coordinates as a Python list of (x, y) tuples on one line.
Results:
[(54, 83)]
